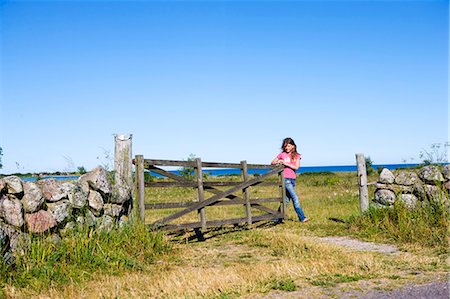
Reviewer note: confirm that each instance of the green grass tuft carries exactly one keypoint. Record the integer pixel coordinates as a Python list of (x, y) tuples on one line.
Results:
[(86, 252)]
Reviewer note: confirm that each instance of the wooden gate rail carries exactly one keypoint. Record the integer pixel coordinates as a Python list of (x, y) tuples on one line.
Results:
[(201, 186)]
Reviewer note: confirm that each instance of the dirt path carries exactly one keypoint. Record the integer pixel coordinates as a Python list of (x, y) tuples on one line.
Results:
[(435, 286), (360, 245)]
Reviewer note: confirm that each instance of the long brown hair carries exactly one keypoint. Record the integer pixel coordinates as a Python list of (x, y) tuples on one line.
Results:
[(286, 141)]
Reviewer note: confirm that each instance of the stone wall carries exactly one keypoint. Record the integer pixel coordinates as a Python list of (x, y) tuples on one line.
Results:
[(412, 186), (54, 207)]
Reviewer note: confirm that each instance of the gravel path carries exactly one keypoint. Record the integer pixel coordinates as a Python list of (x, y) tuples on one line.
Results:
[(432, 290), (437, 287), (360, 245)]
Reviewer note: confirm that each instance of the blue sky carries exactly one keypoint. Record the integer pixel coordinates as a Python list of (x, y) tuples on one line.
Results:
[(224, 80)]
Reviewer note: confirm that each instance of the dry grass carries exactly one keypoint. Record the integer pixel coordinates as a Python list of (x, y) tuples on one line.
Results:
[(244, 262), (237, 262)]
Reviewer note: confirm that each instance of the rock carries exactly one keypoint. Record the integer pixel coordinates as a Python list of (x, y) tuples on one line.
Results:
[(90, 219), (120, 194), (95, 201), (435, 193), (2, 185), (68, 229), (77, 197), (123, 221), (105, 223), (53, 190), (419, 191), (18, 241), (112, 210), (32, 198), (410, 200), (386, 176), (54, 238), (97, 180), (60, 210), (385, 197), (447, 186), (406, 178), (4, 241), (445, 172), (431, 174), (11, 211), (40, 221), (13, 184)]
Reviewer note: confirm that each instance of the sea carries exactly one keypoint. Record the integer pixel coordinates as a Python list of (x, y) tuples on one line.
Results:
[(236, 171)]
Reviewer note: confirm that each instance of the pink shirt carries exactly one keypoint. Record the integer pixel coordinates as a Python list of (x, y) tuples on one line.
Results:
[(288, 172)]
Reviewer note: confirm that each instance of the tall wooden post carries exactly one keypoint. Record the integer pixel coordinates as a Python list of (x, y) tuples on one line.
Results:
[(282, 186), (200, 191), (139, 202), (123, 165), (362, 182), (246, 193)]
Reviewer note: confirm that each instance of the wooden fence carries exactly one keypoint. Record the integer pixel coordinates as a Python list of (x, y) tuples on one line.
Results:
[(219, 198)]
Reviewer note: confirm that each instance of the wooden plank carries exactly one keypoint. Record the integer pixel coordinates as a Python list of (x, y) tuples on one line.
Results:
[(216, 223), (174, 205), (205, 184), (223, 194), (190, 184), (149, 162)]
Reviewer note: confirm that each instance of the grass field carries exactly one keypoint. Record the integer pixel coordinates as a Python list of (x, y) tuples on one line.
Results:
[(238, 262)]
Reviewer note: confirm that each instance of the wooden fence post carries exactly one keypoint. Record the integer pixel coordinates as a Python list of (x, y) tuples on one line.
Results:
[(246, 193), (139, 201), (123, 164), (200, 190), (362, 182), (282, 193)]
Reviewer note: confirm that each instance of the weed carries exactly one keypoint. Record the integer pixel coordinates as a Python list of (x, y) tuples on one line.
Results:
[(283, 285)]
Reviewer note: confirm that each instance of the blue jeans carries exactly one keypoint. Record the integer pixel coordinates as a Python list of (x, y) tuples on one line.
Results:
[(290, 194)]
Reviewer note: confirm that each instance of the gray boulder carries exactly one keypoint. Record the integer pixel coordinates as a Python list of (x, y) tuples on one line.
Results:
[(77, 197), (11, 211), (386, 176), (431, 174), (105, 223), (406, 178), (385, 197), (446, 172), (53, 190), (410, 200), (32, 198), (120, 195), (13, 184), (112, 209), (95, 201), (60, 210), (97, 180)]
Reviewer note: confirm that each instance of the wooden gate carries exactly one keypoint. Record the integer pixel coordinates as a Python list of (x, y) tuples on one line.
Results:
[(219, 197)]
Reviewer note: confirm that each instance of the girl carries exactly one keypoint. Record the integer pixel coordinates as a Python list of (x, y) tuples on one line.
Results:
[(291, 161)]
